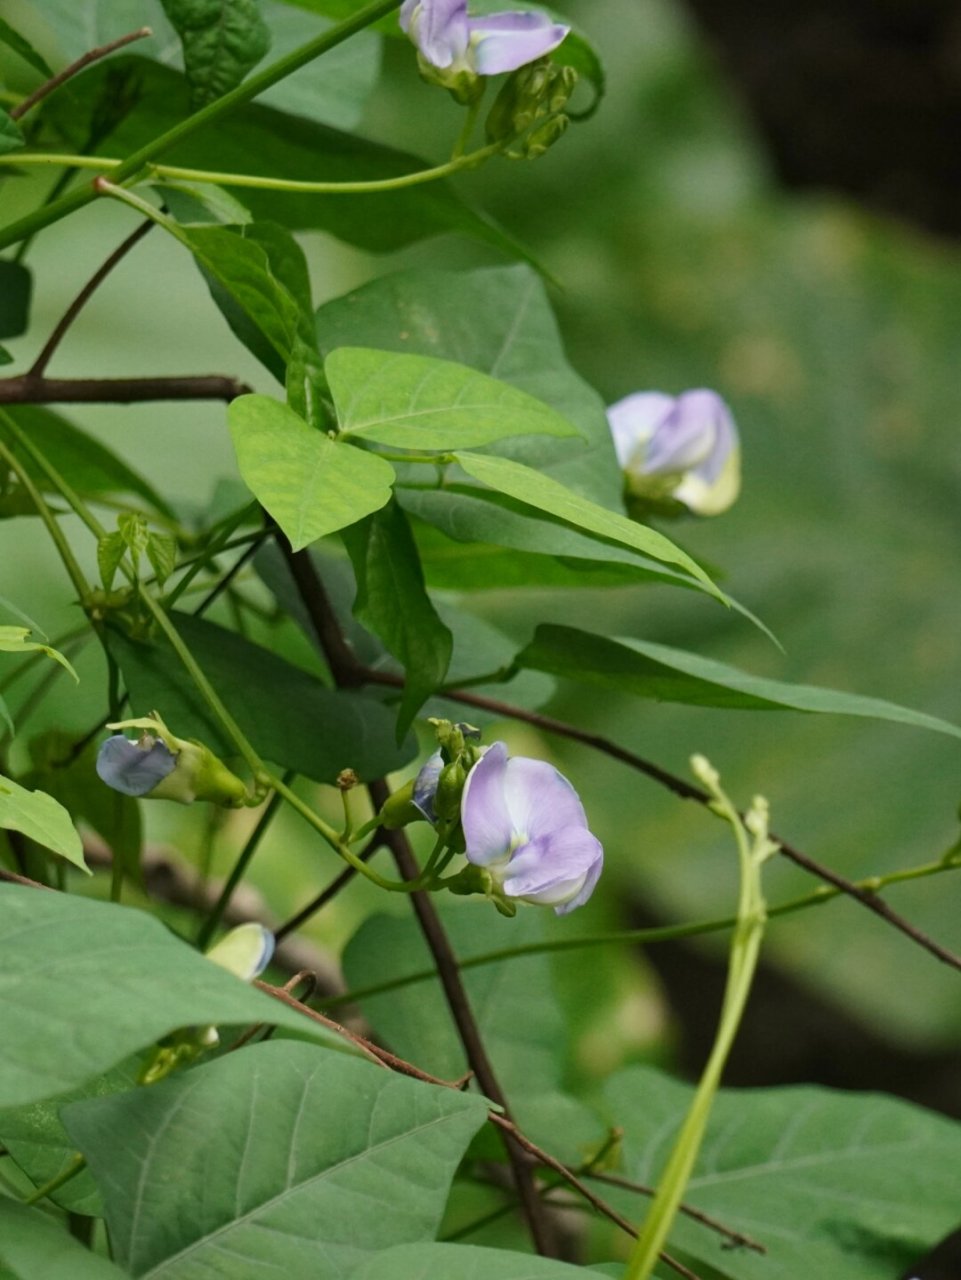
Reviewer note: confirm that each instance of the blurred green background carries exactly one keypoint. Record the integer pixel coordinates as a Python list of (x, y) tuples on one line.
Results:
[(679, 264)]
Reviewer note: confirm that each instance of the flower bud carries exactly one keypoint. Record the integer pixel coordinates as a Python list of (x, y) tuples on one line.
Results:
[(677, 452), (542, 138), (400, 808), (450, 785), (538, 92), (161, 766), (244, 951)]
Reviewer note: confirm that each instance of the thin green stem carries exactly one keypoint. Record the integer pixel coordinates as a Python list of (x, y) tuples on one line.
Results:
[(467, 128), (237, 97), (369, 187), (81, 586), (651, 936), (745, 949), (76, 1165), (212, 923), (334, 840), (66, 491), (214, 548), (205, 688), (258, 182)]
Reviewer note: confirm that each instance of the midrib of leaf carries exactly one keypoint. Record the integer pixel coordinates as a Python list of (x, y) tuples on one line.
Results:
[(307, 498), (511, 333), (251, 1215)]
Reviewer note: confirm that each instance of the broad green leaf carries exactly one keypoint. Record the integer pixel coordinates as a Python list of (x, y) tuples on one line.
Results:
[(674, 675), (530, 487), (497, 320), (76, 29), (336, 97), (284, 1155), (262, 141), (40, 818), (288, 265), (89, 467), (33, 1244), (453, 565), (417, 402), (334, 91), (6, 717), (514, 1003), (414, 1020), (36, 1139), (262, 288), (393, 603), (238, 272), (11, 139), (291, 718), (86, 984), (832, 1184), (222, 41), (16, 288), (311, 485), (464, 1262), (200, 203), (479, 647), (306, 386), (14, 640), (15, 41)]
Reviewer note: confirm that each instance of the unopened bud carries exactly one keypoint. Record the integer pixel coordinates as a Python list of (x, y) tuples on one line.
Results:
[(162, 766), (347, 779), (399, 809)]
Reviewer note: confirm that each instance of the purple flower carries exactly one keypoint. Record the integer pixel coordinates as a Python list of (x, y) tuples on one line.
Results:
[(524, 823), (488, 46), (134, 767), (683, 447)]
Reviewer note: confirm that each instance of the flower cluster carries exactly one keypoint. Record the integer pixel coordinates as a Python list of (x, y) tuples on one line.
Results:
[(677, 450), (524, 829)]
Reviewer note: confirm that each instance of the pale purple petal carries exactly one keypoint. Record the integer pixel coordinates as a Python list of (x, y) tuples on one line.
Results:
[(634, 420), (684, 438), (406, 13), (132, 769), (539, 799), (709, 407), (439, 28), (484, 814), (425, 785), (502, 42), (554, 866), (587, 888)]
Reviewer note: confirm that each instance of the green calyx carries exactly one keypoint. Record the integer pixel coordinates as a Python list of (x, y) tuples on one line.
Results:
[(528, 113)]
